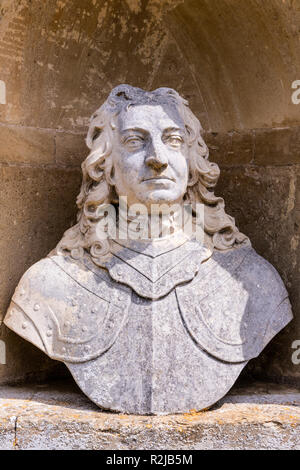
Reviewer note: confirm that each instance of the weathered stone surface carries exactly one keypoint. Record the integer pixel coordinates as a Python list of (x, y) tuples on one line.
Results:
[(70, 149), (277, 146), (26, 145), (7, 432), (294, 146), (24, 362), (230, 148), (56, 416), (265, 203), (62, 56), (29, 226)]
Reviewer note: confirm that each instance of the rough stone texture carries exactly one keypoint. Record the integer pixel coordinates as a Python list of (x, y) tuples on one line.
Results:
[(57, 416), (272, 221), (24, 362), (234, 60), (30, 225), (277, 146), (70, 149), (30, 145)]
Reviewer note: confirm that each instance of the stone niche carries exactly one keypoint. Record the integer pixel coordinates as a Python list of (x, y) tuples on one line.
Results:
[(234, 60)]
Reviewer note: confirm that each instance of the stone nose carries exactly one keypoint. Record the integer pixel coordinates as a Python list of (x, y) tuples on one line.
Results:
[(156, 159)]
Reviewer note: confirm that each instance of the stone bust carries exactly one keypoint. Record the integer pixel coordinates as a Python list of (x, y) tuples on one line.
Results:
[(152, 324)]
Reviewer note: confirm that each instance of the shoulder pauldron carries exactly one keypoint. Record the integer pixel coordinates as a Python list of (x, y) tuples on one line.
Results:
[(235, 306), (77, 313)]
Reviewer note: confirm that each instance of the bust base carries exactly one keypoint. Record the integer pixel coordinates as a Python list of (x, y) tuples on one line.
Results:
[(59, 416)]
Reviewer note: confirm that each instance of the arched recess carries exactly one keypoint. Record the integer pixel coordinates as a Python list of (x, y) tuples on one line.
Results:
[(234, 60)]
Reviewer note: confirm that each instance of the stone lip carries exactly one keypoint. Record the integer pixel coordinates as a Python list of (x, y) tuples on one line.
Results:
[(58, 416)]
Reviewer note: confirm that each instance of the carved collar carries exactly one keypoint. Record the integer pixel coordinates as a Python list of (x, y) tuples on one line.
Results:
[(153, 269)]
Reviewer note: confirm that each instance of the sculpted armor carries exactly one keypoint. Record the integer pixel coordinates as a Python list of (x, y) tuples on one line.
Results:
[(158, 324), (82, 314)]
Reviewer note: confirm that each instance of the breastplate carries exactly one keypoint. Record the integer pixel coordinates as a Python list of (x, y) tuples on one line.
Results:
[(154, 330)]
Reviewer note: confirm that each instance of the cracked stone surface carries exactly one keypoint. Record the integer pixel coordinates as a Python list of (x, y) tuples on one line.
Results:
[(58, 416)]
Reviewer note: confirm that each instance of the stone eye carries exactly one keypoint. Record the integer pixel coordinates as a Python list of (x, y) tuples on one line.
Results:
[(134, 142), (174, 141)]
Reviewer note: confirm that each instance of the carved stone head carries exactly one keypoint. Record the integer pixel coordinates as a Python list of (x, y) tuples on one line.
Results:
[(148, 147)]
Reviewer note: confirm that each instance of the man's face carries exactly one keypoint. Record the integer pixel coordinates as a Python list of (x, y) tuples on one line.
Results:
[(150, 155)]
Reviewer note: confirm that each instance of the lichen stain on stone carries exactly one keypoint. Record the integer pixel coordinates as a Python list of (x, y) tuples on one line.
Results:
[(193, 414), (291, 195), (124, 28), (134, 6), (150, 47), (294, 246), (159, 8), (102, 14)]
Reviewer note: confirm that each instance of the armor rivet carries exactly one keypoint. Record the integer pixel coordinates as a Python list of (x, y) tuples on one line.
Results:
[(87, 348), (63, 349), (67, 323), (24, 325), (74, 303), (49, 333), (84, 328), (119, 272), (36, 307), (94, 310), (22, 291)]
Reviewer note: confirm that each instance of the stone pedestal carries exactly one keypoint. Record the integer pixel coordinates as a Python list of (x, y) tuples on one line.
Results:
[(59, 416)]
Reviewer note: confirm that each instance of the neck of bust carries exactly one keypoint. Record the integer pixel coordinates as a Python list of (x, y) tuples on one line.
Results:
[(157, 225)]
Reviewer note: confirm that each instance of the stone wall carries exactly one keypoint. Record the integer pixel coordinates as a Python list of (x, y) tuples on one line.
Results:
[(234, 60)]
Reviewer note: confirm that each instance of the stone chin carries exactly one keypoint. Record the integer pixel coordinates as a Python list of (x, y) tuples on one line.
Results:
[(160, 194)]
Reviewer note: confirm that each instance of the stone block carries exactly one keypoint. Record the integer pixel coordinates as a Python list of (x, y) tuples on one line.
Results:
[(242, 148), (26, 145), (58, 417), (277, 146), (219, 144), (230, 148), (71, 149), (30, 226), (294, 146), (24, 362), (265, 203)]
